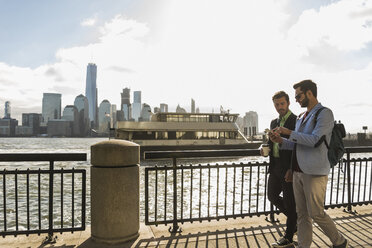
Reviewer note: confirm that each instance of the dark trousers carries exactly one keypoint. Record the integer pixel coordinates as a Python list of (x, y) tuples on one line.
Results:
[(285, 204)]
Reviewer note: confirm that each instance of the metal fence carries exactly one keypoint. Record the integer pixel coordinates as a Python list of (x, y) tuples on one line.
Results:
[(42, 201), (186, 193)]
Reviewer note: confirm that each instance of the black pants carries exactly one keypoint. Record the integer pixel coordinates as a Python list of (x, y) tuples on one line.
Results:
[(285, 204)]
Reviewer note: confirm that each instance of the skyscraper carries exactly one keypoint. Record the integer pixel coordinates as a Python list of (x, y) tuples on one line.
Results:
[(136, 108), (82, 106), (113, 115), (125, 104), (7, 110), (91, 93), (192, 105), (163, 107), (70, 113), (51, 107), (33, 121), (251, 123), (104, 116), (146, 112)]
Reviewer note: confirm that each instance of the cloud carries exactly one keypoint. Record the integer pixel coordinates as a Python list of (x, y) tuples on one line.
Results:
[(120, 69), (89, 22), (65, 90), (340, 24), (361, 13), (7, 82), (52, 72)]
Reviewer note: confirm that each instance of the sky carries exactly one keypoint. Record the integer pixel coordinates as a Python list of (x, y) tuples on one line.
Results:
[(230, 53)]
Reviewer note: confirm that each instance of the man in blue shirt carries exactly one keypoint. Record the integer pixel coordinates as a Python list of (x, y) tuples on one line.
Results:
[(310, 165)]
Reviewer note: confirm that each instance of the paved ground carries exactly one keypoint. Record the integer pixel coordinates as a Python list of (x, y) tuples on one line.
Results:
[(248, 232)]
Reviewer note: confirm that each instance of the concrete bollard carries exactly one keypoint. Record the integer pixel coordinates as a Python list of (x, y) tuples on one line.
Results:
[(114, 191)]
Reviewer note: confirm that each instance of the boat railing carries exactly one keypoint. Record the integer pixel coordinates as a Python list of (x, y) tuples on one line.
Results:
[(190, 192)]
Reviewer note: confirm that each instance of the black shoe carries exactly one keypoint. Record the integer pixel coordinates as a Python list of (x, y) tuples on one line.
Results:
[(283, 242), (343, 245)]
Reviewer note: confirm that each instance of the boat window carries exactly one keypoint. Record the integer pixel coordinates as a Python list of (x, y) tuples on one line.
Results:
[(172, 135), (180, 135), (143, 135), (161, 135)]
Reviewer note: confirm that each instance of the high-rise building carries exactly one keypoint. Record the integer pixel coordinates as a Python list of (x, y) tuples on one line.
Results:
[(146, 112), (104, 116), (71, 114), (113, 115), (192, 105), (125, 97), (125, 104), (51, 107), (7, 110), (136, 107), (251, 123), (33, 121), (179, 109), (91, 93), (82, 106), (156, 110), (8, 127), (163, 107)]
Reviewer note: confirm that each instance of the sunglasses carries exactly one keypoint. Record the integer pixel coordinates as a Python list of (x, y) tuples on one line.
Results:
[(298, 96)]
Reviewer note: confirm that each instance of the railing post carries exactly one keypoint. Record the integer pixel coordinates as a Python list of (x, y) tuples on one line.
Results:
[(349, 200), (114, 191), (50, 238), (272, 212), (175, 227)]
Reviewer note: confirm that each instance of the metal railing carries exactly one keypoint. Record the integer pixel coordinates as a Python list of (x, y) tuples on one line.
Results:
[(32, 202), (186, 193)]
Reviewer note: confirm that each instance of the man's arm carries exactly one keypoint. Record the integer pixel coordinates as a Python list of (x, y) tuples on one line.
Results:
[(324, 126)]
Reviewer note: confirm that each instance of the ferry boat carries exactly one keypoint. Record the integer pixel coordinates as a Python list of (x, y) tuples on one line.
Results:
[(185, 131)]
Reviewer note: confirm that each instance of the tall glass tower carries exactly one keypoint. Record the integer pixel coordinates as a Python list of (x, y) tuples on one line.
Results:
[(51, 107), (91, 93), (136, 109), (7, 110)]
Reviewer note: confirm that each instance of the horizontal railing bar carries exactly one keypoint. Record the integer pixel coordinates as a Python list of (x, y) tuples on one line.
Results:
[(202, 153), (36, 157), (187, 167), (222, 217), (25, 172), (252, 214), (358, 149), (41, 231), (225, 153)]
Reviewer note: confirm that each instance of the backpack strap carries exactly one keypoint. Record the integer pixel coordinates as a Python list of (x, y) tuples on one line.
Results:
[(323, 138)]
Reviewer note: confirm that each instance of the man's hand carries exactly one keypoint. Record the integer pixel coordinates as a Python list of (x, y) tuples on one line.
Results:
[(283, 130), (275, 137), (261, 151), (288, 176)]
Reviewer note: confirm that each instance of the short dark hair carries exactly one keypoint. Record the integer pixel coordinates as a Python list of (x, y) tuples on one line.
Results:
[(281, 94), (306, 85)]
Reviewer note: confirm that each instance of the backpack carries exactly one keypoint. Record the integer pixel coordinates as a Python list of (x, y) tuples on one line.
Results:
[(336, 148)]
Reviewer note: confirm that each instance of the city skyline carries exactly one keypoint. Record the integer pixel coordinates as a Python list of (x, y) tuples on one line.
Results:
[(235, 54)]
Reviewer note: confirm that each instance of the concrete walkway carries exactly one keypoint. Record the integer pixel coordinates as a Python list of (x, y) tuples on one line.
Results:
[(248, 232)]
